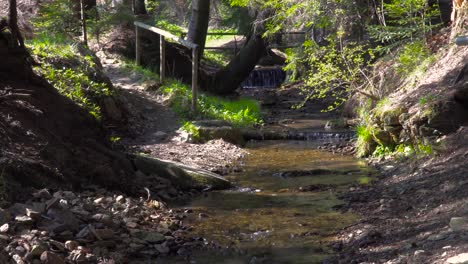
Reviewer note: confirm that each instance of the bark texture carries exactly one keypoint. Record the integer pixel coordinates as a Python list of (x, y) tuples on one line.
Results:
[(139, 7), (198, 27)]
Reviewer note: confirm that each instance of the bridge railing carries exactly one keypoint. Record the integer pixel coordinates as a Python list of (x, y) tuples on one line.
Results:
[(162, 48)]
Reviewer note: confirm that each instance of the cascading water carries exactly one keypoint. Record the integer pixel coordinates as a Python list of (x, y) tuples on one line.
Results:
[(265, 77)]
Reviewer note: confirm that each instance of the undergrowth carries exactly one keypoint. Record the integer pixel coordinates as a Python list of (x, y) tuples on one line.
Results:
[(71, 73), (239, 112)]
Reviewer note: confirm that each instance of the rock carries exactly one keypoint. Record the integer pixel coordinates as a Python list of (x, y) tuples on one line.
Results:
[(162, 249), (33, 214), (51, 258), (57, 245), (148, 236), (78, 257), (5, 216), (131, 224), (120, 199), (38, 207), (160, 135), (71, 245), (38, 249), (230, 134), (437, 237), (4, 228), (179, 174), (42, 194), (17, 209), (60, 220), (24, 219), (99, 200), (52, 203), (458, 259), (183, 252), (18, 259), (111, 109), (103, 234), (202, 215), (459, 223)]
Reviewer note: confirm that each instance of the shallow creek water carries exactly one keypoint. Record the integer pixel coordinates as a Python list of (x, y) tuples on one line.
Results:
[(278, 214)]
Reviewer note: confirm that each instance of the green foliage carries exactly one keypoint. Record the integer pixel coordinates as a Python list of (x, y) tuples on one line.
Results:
[(148, 74), (364, 142), (69, 72), (171, 27), (427, 99), (401, 20), (240, 112), (332, 70), (218, 59), (411, 56), (57, 17), (190, 128)]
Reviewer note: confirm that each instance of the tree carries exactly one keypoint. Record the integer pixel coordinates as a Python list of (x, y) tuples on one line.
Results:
[(229, 78), (16, 38), (198, 26), (139, 7)]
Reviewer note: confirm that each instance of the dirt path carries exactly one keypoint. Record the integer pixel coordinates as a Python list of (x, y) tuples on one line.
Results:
[(154, 128)]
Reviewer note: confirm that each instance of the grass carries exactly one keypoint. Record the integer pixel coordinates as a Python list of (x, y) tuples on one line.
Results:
[(216, 58), (148, 74), (365, 142), (70, 72), (240, 112)]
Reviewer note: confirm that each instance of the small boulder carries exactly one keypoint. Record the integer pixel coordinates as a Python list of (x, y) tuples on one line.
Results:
[(48, 257), (458, 259), (148, 236), (459, 223)]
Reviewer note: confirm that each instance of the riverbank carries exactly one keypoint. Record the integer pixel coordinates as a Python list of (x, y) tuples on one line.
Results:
[(408, 214)]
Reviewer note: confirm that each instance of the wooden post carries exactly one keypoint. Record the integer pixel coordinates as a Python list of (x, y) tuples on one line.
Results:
[(162, 58), (137, 46), (194, 78), (83, 23)]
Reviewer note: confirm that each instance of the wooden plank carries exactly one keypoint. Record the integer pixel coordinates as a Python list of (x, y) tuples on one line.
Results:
[(166, 34), (194, 79), (162, 58)]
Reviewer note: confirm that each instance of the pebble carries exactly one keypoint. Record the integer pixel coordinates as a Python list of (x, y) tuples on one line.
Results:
[(4, 228), (120, 199), (93, 220)]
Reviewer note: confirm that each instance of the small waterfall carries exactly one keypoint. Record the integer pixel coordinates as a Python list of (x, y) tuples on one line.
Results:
[(265, 77), (319, 136)]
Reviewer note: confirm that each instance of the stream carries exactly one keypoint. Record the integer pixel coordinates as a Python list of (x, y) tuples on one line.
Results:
[(282, 211)]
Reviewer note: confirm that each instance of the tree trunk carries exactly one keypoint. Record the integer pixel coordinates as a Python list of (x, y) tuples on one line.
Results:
[(228, 79), (139, 7), (17, 39), (198, 26)]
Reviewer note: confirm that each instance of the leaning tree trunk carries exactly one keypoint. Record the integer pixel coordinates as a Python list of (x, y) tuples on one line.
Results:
[(228, 79), (198, 27)]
